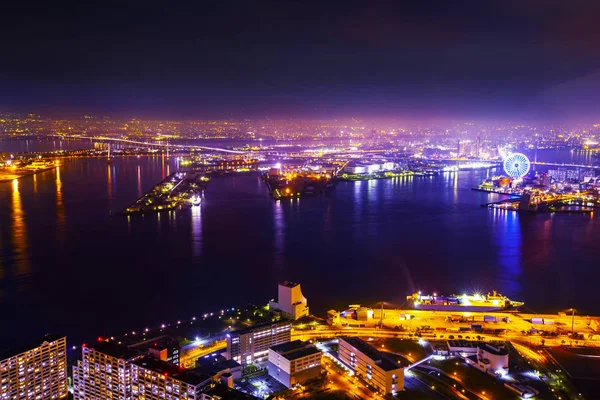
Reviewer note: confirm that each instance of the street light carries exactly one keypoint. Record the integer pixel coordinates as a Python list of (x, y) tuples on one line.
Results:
[(572, 320)]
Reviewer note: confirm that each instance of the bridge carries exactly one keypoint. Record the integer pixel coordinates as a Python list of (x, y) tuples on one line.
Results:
[(129, 141), (565, 165)]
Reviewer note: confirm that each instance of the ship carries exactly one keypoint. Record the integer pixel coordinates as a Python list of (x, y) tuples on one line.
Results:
[(196, 200), (477, 302)]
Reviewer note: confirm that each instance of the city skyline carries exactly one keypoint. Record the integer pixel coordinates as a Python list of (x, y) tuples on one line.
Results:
[(285, 200)]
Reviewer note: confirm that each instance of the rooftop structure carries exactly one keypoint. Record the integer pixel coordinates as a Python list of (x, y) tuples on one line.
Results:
[(222, 392), (290, 301), (217, 366)]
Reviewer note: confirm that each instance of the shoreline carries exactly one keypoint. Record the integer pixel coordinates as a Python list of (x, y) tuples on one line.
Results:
[(20, 173)]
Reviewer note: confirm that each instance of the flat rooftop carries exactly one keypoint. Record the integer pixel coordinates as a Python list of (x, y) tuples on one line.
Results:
[(171, 370), (496, 350), (462, 343), (294, 350), (378, 357), (29, 346), (212, 366), (249, 329), (225, 393), (289, 284), (113, 350)]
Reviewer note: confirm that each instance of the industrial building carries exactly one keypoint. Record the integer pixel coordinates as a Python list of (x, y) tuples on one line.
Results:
[(252, 344), (372, 365), (363, 168), (36, 371), (294, 362), (291, 303), (488, 357)]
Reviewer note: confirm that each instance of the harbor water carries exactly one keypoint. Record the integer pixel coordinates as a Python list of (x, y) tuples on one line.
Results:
[(67, 266)]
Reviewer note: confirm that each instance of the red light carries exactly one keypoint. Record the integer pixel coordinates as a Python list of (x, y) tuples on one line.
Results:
[(155, 344), (84, 345), (100, 338)]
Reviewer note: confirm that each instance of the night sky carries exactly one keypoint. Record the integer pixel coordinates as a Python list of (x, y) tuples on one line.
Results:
[(480, 59)]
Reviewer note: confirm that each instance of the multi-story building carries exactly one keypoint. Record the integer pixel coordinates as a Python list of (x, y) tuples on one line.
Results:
[(153, 379), (372, 365), (491, 358), (290, 301), (37, 371), (294, 362), (251, 344), (104, 372)]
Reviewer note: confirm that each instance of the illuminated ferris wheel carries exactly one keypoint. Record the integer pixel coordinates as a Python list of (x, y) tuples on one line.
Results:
[(516, 165)]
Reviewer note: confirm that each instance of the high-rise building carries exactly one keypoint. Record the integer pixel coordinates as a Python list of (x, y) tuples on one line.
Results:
[(290, 301), (153, 379), (369, 363), (104, 372), (37, 371), (250, 344)]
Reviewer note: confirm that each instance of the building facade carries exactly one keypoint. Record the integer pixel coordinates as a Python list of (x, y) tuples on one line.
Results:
[(294, 362), (493, 359), (38, 371), (104, 372), (290, 301), (370, 364), (153, 379), (251, 344)]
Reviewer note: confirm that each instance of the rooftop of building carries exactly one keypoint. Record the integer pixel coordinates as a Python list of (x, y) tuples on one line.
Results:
[(495, 350), (158, 343), (289, 284), (4, 354), (462, 343), (112, 349), (261, 326), (167, 369), (378, 357), (213, 365), (222, 392), (294, 350)]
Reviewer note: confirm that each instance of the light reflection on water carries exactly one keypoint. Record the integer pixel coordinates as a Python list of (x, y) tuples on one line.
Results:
[(365, 242)]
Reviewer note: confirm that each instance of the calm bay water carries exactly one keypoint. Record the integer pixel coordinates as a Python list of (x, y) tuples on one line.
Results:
[(66, 266)]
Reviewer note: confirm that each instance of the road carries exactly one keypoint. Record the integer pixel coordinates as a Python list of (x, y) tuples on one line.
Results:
[(340, 381), (191, 352)]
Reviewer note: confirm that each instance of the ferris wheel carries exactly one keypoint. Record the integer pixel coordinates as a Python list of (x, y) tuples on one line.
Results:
[(516, 165)]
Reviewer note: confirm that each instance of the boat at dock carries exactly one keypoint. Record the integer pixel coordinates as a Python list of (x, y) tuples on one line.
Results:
[(477, 302)]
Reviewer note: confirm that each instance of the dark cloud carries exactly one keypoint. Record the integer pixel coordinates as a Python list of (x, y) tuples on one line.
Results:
[(480, 57)]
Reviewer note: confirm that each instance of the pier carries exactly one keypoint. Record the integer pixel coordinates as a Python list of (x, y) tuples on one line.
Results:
[(177, 191)]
